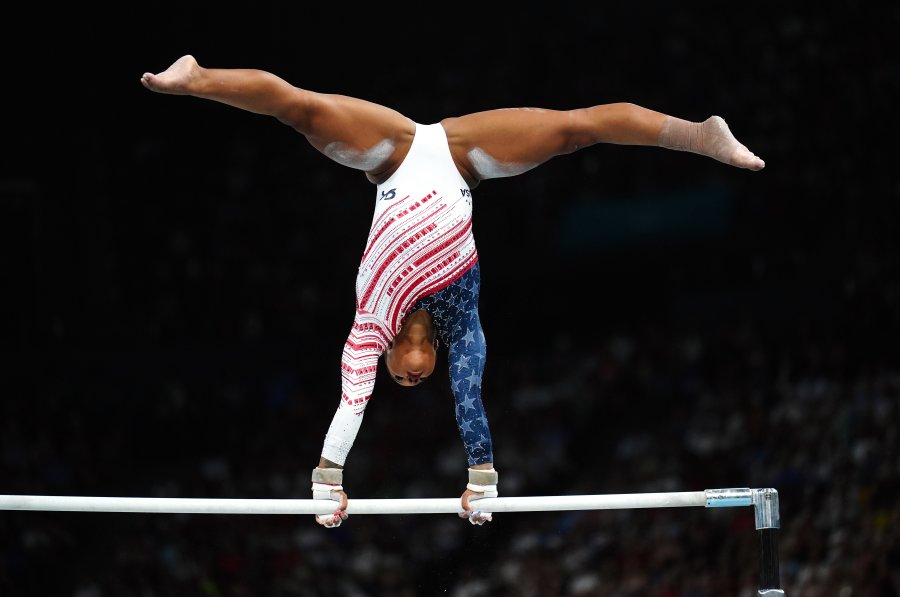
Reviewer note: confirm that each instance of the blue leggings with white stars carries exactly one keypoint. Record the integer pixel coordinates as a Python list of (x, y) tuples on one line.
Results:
[(454, 310)]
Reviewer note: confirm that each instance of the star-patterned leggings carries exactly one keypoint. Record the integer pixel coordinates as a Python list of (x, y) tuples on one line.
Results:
[(455, 313)]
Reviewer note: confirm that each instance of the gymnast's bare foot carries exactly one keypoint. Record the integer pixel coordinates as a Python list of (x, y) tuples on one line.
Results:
[(175, 79), (724, 147)]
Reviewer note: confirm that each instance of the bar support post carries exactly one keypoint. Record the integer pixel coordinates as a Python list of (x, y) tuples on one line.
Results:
[(768, 521)]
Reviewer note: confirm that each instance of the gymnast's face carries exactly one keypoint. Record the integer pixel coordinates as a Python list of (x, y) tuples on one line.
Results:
[(411, 356)]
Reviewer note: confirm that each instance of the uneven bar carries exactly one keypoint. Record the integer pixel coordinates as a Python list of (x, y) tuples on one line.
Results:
[(355, 505)]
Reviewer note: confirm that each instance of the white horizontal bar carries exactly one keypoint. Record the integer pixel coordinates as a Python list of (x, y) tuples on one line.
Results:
[(355, 505)]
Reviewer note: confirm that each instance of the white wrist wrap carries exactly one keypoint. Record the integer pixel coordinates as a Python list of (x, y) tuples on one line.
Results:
[(324, 491), (485, 489), (483, 482), (326, 481)]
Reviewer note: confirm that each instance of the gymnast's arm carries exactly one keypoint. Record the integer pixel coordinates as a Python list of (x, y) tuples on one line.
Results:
[(466, 355), (359, 366), (507, 142), (353, 132)]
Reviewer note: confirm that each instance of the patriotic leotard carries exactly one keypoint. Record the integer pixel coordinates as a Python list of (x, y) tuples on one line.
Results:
[(420, 255)]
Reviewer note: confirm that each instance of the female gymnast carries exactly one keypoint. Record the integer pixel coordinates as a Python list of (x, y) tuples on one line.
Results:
[(418, 281)]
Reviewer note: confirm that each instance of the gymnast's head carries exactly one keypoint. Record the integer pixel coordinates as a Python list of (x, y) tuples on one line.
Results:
[(410, 357)]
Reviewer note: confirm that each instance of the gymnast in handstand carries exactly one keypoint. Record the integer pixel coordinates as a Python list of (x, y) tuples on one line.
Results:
[(418, 281)]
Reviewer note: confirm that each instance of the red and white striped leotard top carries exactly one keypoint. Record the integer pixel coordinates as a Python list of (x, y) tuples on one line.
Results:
[(420, 242)]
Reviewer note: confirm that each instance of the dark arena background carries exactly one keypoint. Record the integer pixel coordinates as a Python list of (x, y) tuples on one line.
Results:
[(178, 281)]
